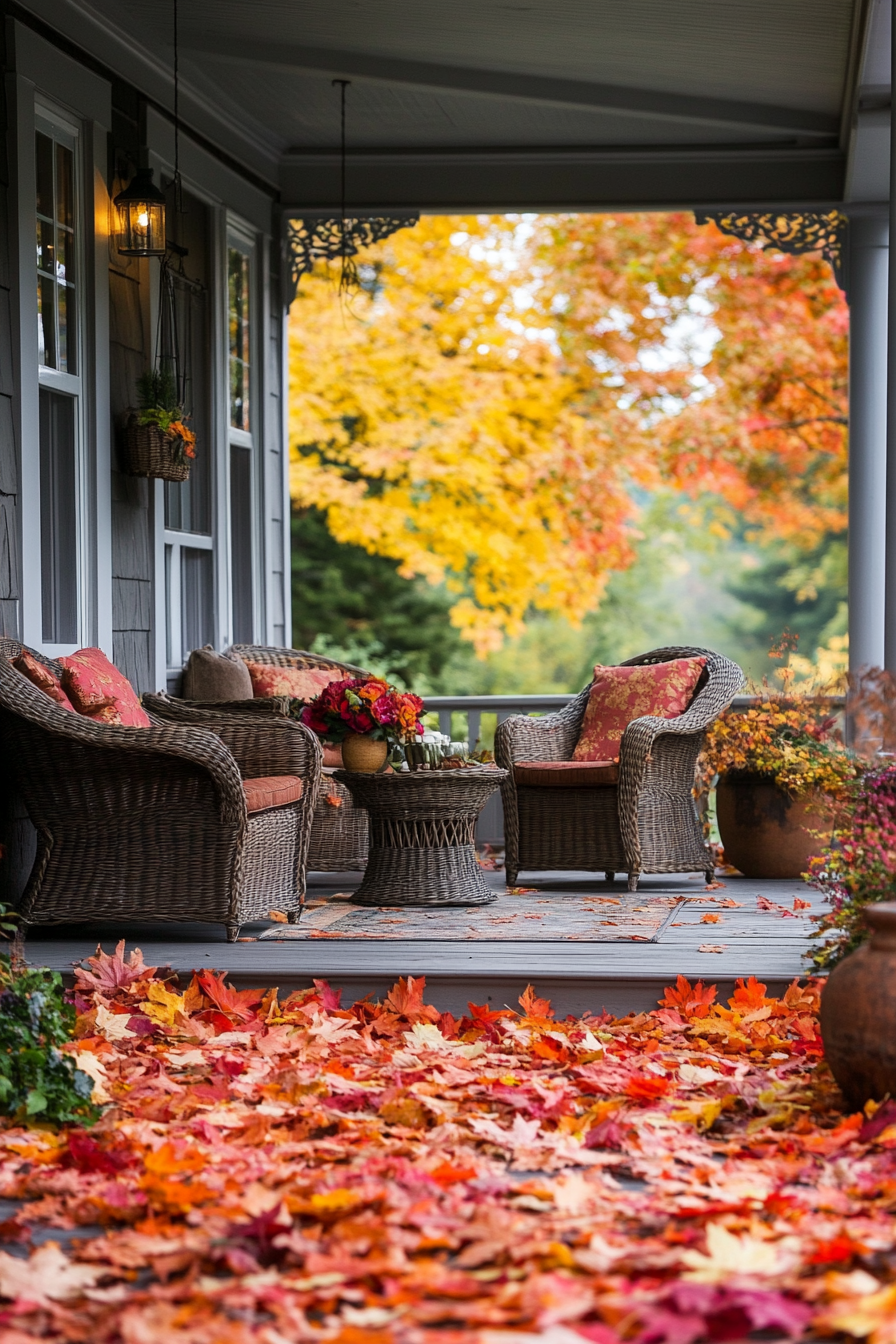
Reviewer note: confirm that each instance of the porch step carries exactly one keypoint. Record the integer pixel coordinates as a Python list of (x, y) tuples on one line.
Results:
[(576, 976)]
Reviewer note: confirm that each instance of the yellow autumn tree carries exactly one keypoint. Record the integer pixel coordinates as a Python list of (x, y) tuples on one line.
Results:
[(486, 409), (433, 427)]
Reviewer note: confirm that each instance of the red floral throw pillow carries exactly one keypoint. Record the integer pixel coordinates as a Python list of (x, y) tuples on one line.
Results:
[(100, 692), (42, 678), (299, 683), (621, 694)]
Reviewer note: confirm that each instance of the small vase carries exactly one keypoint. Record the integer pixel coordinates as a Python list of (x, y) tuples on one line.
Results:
[(858, 1013), (764, 832), (365, 755)]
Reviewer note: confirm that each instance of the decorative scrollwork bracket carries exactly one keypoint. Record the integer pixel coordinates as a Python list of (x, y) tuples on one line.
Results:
[(795, 233), (314, 239)]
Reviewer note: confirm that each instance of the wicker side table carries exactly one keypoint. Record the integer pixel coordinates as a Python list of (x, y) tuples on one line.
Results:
[(421, 835)]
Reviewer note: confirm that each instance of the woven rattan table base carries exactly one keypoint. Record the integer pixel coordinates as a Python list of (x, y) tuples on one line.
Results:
[(421, 836), (449, 875)]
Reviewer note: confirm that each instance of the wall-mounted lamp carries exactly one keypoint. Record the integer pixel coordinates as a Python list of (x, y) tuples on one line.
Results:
[(141, 212)]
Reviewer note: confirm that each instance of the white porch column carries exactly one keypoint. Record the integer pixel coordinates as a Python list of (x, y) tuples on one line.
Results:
[(868, 238), (890, 618)]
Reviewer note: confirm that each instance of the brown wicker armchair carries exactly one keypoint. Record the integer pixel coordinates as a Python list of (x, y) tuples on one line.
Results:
[(642, 819), (339, 829), (153, 823)]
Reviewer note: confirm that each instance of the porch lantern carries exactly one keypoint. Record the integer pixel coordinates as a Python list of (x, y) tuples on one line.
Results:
[(141, 211)]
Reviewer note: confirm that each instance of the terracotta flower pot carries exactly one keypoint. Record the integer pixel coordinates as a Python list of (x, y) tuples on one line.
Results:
[(764, 832), (858, 1013), (365, 755)]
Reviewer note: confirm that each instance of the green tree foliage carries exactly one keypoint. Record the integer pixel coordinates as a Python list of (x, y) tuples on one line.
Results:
[(356, 607), (791, 589)]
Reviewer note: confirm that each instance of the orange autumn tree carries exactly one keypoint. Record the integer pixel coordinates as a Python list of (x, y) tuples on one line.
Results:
[(484, 410)]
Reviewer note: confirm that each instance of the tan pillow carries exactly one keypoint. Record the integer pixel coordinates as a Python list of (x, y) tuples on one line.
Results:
[(212, 676)]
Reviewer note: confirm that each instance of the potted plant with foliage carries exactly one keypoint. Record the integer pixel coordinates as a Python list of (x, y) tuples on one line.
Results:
[(158, 440), (781, 773), (857, 940), (366, 715)]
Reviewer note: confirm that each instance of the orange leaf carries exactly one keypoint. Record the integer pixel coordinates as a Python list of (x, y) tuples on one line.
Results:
[(692, 1000), (748, 994), (532, 1006), (237, 1002)]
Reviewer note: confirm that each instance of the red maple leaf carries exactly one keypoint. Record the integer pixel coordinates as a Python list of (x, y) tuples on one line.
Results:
[(238, 1003), (330, 998), (643, 1087), (111, 973), (691, 1000), (763, 903), (405, 999)]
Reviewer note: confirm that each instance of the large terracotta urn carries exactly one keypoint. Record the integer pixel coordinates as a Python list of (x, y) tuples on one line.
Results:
[(858, 1013), (764, 832), (365, 755)]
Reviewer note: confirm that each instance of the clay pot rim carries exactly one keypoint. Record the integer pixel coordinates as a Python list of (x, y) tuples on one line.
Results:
[(880, 916)]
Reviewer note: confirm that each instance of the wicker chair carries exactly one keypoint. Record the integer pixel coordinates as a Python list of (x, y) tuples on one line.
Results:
[(646, 821), (339, 830), (153, 823)]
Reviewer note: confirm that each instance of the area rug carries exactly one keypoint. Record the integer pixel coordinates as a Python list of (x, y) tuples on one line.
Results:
[(519, 915), (284, 1170)]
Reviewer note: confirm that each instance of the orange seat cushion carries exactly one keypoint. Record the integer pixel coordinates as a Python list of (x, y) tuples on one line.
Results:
[(100, 692), (271, 791), (621, 694), (565, 774), (43, 678), (300, 683)]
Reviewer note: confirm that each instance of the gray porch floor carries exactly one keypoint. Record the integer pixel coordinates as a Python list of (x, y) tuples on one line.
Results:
[(577, 976)]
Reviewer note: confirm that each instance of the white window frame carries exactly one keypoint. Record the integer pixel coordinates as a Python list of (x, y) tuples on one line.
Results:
[(245, 239), (50, 121), (52, 88), (236, 207), (170, 543)]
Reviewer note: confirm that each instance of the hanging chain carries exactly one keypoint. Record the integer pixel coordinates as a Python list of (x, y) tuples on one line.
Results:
[(348, 273), (178, 190)]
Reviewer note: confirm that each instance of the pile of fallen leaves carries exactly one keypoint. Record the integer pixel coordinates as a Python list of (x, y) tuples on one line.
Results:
[(280, 1172)]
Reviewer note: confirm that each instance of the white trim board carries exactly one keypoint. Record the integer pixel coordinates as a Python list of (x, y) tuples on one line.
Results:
[(202, 105)]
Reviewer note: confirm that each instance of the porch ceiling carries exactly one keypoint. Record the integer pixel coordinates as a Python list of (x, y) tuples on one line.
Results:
[(523, 103)]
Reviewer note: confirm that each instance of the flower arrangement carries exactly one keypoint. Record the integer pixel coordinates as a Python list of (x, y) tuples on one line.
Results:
[(859, 868), (159, 406), (364, 705), (792, 742)]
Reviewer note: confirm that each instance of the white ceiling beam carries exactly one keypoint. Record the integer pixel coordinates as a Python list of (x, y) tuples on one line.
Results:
[(646, 103)]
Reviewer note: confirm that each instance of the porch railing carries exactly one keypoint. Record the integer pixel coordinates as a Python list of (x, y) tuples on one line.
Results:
[(470, 710)]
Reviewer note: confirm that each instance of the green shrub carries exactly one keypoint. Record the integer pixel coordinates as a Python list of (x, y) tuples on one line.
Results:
[(38, 1081)]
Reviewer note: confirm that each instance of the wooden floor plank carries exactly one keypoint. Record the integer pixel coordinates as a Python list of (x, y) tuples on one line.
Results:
[(577, 976)]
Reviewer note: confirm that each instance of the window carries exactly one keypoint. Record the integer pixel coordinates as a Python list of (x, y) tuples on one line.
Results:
[(58, 257), (238, 295), (57, 341), (189, 535), (242, 439), (58, 518)]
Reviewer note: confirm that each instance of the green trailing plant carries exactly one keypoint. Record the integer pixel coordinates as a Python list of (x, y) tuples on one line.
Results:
[(38, 1081), (157, 398), (159, 405)]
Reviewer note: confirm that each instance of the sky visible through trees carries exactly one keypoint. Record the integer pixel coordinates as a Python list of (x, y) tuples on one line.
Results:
[(534, 442)]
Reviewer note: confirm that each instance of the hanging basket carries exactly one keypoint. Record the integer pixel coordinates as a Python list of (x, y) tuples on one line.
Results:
[(149, 452)]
